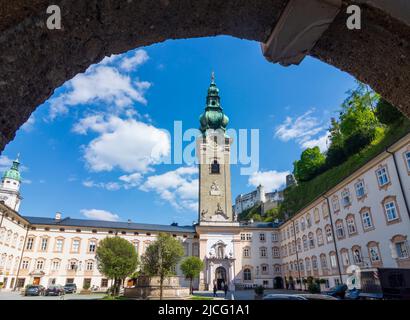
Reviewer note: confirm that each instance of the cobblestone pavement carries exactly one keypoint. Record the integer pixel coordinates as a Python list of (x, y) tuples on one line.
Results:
[(241, 294), (9, 295)]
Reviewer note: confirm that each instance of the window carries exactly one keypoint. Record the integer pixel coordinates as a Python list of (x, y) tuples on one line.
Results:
[(307, 263), (305, 243), (323, 261), (345, 257), (246, 252), (276, 268), (351, 225), (382, 176), (59, 245), (44, 242), (366, 219), (297, 226), (407, 157), (92, 245), (319, 236), (263, 252), (8, 239), (311, 240), (314, 263), (39, 265), (325, 210), (335, 204), (308, 220), (390, 210), (247, 276), (265, 269), (261, 237), (357, 255), (89, 266), (75, 246), (195, 249), (242, 236), (72, 265), (328, 230), (302, 224), (340, 230), (275, 252), (374, 254), (316, 215), (104, 283), (301, 266), (275, 237), (55, 265), (299, 245), (333, 261), (15, 237), (25, 264), (359, 187), (215, 167), (248, 236), (21, 242), (30, 243), (2, 234), (346, 198), (402, 250)]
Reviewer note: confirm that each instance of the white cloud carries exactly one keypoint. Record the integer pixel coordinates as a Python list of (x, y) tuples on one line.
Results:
[(271, 180), (321, 142), (131, 180), (100, 83), (178, 187), (140, 57), (304, 130), (110, 186), (97, 214), (29, 124), (128, 144)]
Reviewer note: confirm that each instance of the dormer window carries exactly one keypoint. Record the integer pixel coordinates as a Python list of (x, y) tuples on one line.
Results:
[(215, 167)]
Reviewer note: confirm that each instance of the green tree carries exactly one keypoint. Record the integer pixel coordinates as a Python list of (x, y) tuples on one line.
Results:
[(386, 113), (161, 258), (310, 164), (117, 259), (191, 267)]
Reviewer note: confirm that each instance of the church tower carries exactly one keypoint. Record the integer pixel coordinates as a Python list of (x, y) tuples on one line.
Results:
[(10, 186), (213, 153)]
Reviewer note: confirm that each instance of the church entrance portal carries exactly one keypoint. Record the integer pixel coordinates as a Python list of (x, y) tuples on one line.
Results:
[(220, 276)]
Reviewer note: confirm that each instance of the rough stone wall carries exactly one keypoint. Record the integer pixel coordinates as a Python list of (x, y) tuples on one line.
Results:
[(34, 60), (378, 54)]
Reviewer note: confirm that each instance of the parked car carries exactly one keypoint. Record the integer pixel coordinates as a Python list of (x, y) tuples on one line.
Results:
[(70, 288), (34, 290), (338, 291), (55, 290)]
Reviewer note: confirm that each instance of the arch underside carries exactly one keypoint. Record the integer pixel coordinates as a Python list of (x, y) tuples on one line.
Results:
[(34, 61)]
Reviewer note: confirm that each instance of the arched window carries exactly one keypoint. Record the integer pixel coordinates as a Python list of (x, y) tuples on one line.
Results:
[(329, 237), (340, 230), (316, 215), (311, 240), (247, 275), (323, 261), (308, 220), (357, 255), (215, 167), (344, 253), (314, 263), (307, 263), (319, 236), (351, 224), (305, 243)]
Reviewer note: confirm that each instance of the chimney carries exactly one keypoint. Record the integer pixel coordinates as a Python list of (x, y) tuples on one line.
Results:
[(58, 216)]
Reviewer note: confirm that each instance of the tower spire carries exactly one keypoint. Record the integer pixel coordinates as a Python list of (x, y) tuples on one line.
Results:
[(212, 77)]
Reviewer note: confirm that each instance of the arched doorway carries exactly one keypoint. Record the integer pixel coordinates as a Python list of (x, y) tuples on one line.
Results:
[(278, 283), (220, 277)]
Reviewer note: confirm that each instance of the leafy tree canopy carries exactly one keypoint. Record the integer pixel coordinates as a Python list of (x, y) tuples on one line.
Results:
[(386, 113), (310, 163)]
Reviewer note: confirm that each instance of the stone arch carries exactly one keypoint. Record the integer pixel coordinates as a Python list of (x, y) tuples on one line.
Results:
[(35, 60)]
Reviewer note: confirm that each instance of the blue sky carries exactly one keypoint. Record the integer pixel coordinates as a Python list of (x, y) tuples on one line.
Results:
[(94, 149)]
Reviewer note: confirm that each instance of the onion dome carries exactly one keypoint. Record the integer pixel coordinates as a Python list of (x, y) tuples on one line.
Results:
[(13, 173), (213, 117)]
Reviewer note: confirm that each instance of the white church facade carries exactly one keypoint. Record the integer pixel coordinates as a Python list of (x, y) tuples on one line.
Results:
[(364, 220)]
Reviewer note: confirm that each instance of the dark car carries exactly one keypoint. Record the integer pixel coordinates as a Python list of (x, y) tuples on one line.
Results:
[(55, 290), (70, 288), (34, 290), (338, 291)]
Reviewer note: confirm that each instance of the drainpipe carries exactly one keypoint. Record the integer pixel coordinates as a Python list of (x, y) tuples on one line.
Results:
[(400, 181), (334, 239), (297, 256), (21, 258)]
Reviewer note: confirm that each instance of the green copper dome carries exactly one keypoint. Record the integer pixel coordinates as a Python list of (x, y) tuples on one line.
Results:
[(13, 172), (213, 117)]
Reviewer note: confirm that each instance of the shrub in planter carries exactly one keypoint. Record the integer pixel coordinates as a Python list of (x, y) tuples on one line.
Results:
[(259, 290), (86, 289), (313, 288)]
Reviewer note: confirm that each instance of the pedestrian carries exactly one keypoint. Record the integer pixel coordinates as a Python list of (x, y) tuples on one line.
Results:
[(226, 288), (215, 290)]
